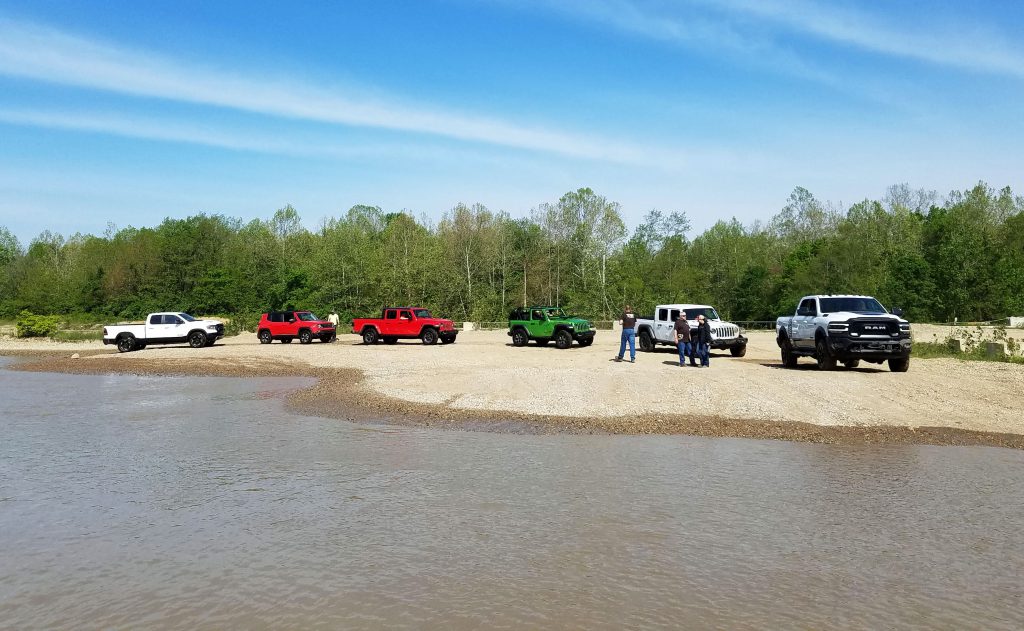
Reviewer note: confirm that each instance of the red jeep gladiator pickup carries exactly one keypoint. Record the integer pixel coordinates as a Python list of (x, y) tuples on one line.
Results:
[(397, 323)]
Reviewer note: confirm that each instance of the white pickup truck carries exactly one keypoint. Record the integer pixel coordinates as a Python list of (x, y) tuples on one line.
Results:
[(844, 329), (660, 329), (164, 328)]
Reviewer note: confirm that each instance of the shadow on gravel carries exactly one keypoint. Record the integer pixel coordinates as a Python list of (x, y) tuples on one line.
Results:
[(870, 370)]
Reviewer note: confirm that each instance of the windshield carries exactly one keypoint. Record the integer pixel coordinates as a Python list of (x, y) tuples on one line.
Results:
[(421, 313), (186, 317), (306, 316), (555, 312), (707, 312), (855, 305)]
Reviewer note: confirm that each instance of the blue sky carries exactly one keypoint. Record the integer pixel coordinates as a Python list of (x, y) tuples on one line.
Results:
[(129, 112)]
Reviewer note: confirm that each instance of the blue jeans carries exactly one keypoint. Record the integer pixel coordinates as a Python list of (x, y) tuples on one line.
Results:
[(684, 352), (630, 336), (704, 353)]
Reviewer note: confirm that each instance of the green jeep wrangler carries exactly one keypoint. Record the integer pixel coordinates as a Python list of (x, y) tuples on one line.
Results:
[(544, 324)]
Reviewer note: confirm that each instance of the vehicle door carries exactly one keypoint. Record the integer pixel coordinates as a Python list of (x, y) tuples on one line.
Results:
[(803, 322), (406, 323), (539, 324), (158, 327), (177, 329), (276, 323), (664, 324), (390, 324)]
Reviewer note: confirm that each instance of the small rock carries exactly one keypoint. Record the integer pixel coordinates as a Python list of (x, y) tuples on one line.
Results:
[(75, 356)]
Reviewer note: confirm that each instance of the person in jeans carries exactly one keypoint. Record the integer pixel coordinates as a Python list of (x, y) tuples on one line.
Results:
[(703, 335), (628, 320), (682, 330)]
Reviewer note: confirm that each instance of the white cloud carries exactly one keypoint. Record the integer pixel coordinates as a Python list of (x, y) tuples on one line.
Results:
[(50, 55)]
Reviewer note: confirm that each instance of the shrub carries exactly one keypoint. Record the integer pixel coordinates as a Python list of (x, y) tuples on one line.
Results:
[(241, 322), (31, 325)]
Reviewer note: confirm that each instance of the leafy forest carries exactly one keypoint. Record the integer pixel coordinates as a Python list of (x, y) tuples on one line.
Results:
[(961, 256)]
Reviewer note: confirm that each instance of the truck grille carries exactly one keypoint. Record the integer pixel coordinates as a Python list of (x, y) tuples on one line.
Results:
[(724, 331), (875, 327), (220, 329)]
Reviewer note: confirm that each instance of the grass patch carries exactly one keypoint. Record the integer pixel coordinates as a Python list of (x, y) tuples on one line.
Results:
[(77, 336), (932, 350)]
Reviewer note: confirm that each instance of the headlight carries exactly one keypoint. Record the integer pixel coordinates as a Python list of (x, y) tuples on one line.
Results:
[(838, 326)]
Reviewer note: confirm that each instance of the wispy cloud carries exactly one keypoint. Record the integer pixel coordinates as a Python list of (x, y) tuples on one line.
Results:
[(40, 53), (956, 47)]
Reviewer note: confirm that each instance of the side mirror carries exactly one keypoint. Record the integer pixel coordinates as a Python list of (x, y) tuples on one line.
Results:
[(897, 312), (291, 320)]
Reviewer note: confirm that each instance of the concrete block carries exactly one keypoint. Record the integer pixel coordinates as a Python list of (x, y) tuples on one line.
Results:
[(469, 326), (995, 349), (1017, 322), (955, 345)]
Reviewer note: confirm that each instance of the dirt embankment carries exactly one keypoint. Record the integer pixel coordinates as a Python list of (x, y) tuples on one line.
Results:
[(481, 382)]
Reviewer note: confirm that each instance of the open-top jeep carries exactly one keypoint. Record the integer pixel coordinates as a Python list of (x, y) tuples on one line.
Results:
[(543, 324)]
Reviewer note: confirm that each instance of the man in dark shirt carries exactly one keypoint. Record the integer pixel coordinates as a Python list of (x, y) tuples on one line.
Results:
[(703, 335), (628, 335), (682, 338)]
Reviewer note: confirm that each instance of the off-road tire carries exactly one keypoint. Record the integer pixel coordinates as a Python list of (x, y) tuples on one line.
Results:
[(429, 336), (563, 339), (197, 339), (822, 354), (738, 351), (126, 343), (789, 358), (899, 365), (520, 337), (851, 363), (646, 341), (305, 336), (265, 337), (370, 335)]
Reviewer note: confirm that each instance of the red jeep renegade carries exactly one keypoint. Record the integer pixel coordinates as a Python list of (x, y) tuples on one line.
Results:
[(288, 325)]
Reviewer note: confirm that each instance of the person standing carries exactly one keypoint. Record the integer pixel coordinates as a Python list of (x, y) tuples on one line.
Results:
[(703, 341), (335, 320), (628, 320), (682, 331)]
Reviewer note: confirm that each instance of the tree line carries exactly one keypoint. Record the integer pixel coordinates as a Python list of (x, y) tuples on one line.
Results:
[(960, 257)]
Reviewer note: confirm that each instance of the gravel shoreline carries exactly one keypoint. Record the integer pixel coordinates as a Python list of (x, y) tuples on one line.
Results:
[(341, 393)]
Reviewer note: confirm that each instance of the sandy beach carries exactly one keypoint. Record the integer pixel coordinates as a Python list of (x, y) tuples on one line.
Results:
[(482, 382)]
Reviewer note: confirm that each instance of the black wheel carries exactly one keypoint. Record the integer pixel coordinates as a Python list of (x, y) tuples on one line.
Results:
[(519, 337), (587, 341), (429, 336), (286, 340), (789, 358), (370, 335), (126, 343), (391, 340), (646, 341), (197, 339), (738, 351), (265, 337), (851, 363), (305, 337), (563, 339), (899, 365), (823, 355)]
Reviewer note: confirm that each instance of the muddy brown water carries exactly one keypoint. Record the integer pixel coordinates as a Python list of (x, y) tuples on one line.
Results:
[(149, 502)]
